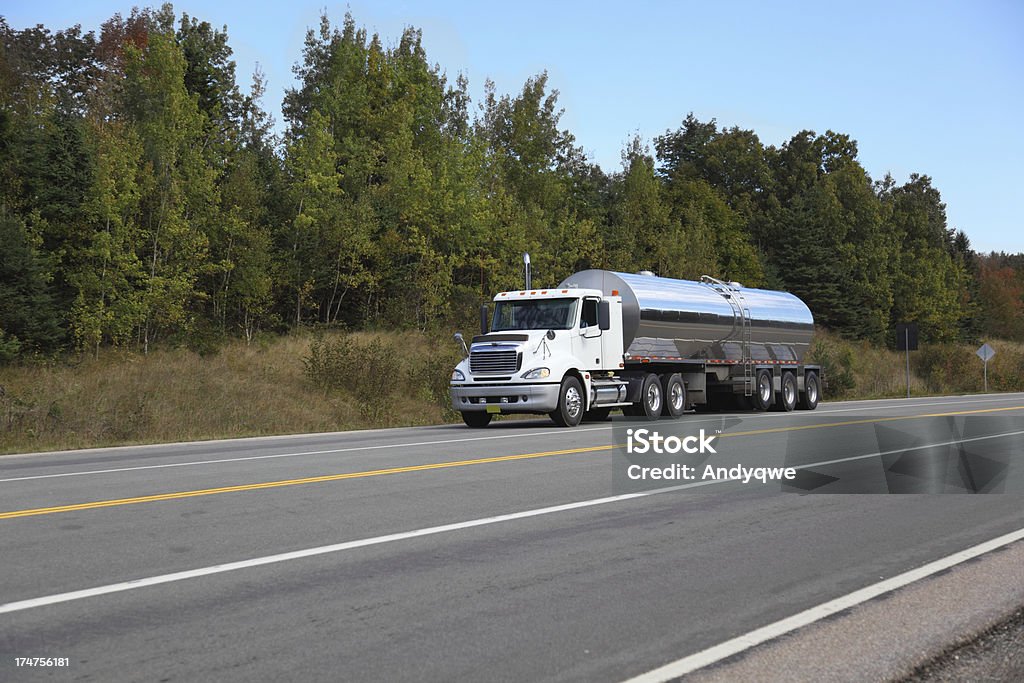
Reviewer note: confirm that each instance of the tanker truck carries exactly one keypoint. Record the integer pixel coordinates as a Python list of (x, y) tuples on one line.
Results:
[(649, 346)]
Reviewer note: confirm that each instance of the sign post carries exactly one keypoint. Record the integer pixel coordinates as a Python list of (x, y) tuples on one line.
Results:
[(985, 353), (906, 340)]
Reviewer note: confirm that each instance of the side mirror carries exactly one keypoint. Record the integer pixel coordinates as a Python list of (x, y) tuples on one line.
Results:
[(485, 315), (604, 315), (458, 338)]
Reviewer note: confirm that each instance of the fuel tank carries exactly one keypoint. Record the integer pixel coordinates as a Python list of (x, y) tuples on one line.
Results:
[(666, 319)]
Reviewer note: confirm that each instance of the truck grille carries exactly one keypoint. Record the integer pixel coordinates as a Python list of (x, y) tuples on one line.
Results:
[(493, 362)]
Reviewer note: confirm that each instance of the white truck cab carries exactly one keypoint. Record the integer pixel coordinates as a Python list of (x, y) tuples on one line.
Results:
[(545, 351)]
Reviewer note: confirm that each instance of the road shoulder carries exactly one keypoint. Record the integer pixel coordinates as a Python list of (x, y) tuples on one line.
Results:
[(894, 636)]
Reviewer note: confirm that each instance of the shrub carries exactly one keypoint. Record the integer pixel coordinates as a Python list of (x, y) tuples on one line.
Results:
[(430, 377), (370, 370), (836, 360), (948, 368)]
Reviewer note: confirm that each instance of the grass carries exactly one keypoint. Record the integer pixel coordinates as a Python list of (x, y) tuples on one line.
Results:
[(858, 370), (314, 383), (177, 395)]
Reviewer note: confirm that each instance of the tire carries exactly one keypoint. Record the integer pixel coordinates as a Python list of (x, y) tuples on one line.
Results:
[(764, 393), (786, 400), (597, 414), (674, 391), (812, 392), (476, 419), (569, 412), (652, 398)]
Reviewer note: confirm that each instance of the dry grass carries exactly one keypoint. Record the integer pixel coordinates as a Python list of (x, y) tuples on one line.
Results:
[(177, 395), (859, 370)]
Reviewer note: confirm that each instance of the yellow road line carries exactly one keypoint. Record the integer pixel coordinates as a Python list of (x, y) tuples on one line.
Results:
[(292, 482), (440, 465)]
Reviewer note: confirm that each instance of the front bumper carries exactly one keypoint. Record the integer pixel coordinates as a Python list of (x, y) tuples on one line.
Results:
[(505, 398)]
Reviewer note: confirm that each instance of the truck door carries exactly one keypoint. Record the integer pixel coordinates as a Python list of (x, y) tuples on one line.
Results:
[(588, 347)]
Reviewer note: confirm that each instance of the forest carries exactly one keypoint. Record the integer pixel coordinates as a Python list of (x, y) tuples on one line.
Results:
[(147, 202)]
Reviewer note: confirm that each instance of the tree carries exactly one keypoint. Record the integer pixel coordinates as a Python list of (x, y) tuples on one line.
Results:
[(929, 285), (105, 270), (1001, 294), (179, 198), (29, 320)]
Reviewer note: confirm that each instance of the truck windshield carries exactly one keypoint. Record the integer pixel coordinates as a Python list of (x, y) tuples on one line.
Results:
[(535, 314)]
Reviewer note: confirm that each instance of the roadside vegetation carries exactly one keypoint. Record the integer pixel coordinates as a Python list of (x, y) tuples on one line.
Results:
[(859, 370), (298, 383), (333, 381), (164, 253)]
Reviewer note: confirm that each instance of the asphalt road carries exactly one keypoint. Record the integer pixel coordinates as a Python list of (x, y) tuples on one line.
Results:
[(514, 553)]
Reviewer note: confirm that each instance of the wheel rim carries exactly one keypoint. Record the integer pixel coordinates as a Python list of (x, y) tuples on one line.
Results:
[(812, 390), (766, 389), (573, 402), (790, 394), (654, 398), (676, 396)]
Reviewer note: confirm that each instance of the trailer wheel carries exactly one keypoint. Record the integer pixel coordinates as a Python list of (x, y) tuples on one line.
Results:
[(597, 414), (674, 392), (569, 412), (764, 393), (786, 400), (476, 419), (809, 399), (652, 397)]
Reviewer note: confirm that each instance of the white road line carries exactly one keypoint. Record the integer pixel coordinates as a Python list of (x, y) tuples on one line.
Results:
[(755, 416), (287, 455), (298, 554), (430, 531), (900, 403), (717, 653)]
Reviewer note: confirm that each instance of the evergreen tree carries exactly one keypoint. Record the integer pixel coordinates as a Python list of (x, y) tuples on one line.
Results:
[(29, 319)]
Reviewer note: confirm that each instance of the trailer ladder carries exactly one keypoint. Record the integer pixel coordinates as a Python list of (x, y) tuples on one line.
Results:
[(741, 315)]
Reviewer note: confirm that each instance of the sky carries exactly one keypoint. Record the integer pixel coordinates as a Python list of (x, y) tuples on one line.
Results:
[(935, 87)]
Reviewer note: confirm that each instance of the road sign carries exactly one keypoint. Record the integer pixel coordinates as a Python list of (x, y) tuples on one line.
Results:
[(906, 341), (906, 336), (985, 353)]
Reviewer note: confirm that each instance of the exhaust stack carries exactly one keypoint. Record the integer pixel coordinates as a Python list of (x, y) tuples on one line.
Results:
[(526, 268)]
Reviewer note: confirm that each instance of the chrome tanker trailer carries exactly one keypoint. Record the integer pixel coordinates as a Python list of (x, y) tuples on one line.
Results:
[(647, 345)]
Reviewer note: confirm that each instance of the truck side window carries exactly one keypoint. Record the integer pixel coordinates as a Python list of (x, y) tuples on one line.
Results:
[(588, 318)]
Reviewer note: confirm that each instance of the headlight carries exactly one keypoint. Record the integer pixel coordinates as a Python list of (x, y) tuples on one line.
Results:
[(457, 376), (536, 373)]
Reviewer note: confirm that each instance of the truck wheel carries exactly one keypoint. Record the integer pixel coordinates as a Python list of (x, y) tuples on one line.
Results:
[(763, 391), (597, 414), (674, 392), (786, 400), (652, 397), (476, 419), (809, 399), (569, 412)]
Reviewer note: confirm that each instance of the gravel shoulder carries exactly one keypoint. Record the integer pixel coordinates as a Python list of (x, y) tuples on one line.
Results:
[(995, 655), (963, 624)]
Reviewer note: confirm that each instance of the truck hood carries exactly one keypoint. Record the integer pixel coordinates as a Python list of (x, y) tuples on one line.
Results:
[(528, 339), (533, 344), (506, 337)]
